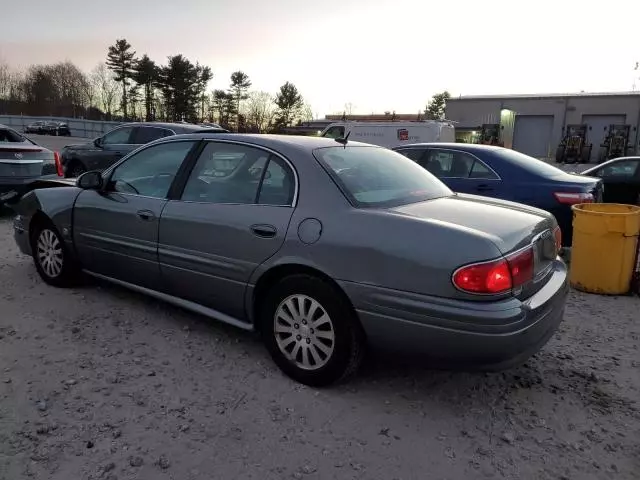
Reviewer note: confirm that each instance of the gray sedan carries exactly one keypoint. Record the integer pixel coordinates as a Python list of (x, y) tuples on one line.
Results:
[(324, 247), (21, 162)]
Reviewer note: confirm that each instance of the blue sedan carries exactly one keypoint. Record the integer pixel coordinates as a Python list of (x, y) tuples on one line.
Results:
[(509, 175)]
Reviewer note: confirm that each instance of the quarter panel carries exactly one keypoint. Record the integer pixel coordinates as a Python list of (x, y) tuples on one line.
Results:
[(385, 250)]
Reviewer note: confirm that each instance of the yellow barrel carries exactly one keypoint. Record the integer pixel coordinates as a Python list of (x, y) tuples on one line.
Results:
[(605, 242)]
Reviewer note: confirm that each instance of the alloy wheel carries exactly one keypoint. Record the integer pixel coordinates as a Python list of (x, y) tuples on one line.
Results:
[(49, 253), (304, 332)]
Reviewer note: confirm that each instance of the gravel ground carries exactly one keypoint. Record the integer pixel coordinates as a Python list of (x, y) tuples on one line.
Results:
[(101, 383)]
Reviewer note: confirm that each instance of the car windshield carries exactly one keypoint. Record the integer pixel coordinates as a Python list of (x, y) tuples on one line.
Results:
[(533, 165), (377, 177)]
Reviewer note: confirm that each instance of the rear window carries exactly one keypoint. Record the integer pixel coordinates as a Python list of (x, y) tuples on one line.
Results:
[(533, 165), (11, 136), (377, 177)]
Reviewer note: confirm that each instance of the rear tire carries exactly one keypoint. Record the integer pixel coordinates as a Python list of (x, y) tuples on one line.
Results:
[(52, 259), (311, 331), (75, 170)]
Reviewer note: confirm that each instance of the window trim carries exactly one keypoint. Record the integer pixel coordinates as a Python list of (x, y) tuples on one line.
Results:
[(179, 190), (476, 159), (108, 173)]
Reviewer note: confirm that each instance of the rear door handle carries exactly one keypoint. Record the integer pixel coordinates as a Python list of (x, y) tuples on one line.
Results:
[(264, 231), (146, 215), (484, 188)]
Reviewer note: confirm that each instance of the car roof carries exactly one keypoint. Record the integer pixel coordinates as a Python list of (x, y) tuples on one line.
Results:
[(185, 127), (270, 140), (469, 147)]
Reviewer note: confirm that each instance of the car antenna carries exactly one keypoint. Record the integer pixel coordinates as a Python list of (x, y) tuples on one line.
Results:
[(343, 141)]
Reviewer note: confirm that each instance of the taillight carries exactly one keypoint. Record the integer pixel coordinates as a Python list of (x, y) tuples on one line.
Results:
[(497, 276), (557, 234), (59, 169), (573, 198)]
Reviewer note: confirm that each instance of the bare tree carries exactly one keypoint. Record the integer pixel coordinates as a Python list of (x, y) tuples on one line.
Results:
[(348, 108), (106, 88), (306, 113), (259, 110), (5, 79)]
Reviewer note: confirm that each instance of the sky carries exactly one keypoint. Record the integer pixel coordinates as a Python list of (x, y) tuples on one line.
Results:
[(375, 55)]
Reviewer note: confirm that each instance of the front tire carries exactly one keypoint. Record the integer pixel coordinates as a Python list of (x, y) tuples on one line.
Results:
[(311, 331), (52, 259)]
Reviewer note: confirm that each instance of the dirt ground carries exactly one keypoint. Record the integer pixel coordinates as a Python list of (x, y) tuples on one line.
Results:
[(100, 383)]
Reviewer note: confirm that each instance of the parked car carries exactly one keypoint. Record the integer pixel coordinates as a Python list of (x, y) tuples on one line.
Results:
[(104, 151), (621, 179), (503, 173), (21, 162), (56, 128), (35, 127), (323, 248)]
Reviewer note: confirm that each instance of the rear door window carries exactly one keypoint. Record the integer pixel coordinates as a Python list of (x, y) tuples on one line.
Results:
[(414, 154), (119, 136), (144, 135)]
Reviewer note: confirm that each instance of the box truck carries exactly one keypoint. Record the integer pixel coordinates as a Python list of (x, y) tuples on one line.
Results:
[(392, 134)]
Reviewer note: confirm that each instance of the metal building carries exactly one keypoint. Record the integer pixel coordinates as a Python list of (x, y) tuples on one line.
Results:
[(534, 124)]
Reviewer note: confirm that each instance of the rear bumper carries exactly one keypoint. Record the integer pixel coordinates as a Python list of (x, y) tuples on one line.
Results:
[(486, 335), (12, 188)]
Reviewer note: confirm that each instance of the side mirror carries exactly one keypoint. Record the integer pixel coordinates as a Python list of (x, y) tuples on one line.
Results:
[(90, 180), (98, 142)]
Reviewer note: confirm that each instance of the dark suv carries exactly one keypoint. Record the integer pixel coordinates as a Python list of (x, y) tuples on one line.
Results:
[(112, 146)]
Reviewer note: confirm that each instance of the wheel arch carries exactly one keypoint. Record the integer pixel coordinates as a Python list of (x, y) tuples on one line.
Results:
[(276, 273)]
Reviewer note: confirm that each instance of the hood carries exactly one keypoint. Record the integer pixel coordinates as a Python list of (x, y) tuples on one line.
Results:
[(508, 225), (80, 146)]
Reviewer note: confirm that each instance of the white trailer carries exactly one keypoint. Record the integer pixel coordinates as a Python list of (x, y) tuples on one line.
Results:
[(392, 134)]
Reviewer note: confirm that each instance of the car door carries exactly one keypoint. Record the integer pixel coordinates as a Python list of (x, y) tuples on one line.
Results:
[(108, 149), (231, 216), (115, 230), (462, 172), (621, 181)]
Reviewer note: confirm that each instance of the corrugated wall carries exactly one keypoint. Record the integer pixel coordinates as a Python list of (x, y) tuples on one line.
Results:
[(78, 127)]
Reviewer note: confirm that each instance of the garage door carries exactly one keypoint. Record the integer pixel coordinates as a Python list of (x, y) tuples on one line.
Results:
[(597, 132), (532, 134)]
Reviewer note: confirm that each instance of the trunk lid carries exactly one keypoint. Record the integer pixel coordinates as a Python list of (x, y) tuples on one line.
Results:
[(24, 159), (511, 226)]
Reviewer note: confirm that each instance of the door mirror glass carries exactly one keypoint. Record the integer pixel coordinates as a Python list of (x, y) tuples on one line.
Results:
[(98, 142), (90, 180)]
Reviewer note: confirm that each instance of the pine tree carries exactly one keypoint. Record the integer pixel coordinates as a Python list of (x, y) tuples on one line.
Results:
[(121, 60)]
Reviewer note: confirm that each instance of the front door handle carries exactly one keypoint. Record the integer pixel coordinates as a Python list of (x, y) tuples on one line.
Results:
[(147, 215), (264, 231), (484, 188)]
